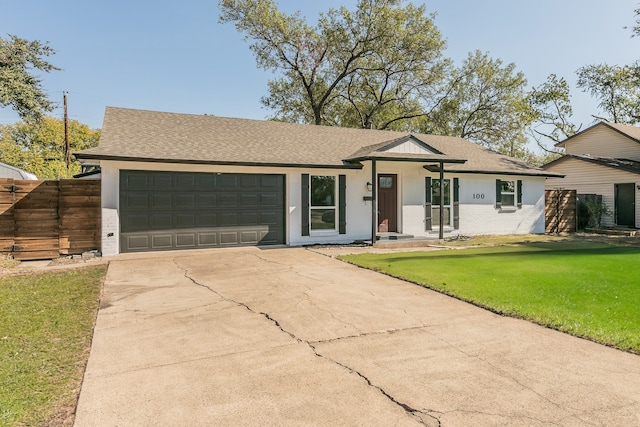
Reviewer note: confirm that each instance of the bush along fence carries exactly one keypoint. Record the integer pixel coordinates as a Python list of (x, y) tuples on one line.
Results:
[(46, 219), (560, 211)]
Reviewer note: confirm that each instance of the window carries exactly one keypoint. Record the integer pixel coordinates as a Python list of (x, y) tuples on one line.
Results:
[(322, 208), (435, 202), (386, 181), (508, 194)]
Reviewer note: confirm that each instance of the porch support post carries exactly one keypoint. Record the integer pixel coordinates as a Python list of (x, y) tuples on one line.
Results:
[(374, 203), (441, 227)]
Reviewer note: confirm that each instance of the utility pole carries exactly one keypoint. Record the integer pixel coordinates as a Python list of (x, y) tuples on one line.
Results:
[(67, 150)]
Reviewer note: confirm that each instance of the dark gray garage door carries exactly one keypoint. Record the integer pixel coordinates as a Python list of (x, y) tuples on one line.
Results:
[(180, 210)]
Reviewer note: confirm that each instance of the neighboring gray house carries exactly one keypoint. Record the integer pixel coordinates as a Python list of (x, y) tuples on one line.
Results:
[(172, 181), (603, 160), (8, 171)]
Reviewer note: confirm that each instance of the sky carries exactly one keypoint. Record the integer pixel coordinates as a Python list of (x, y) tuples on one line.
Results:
[(174, 55)]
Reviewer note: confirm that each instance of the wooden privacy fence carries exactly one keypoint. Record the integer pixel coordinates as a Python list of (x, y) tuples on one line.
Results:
[(560, 211), (46, 219)]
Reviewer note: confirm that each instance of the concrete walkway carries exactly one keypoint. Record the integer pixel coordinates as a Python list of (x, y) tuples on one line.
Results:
[(291, 337)]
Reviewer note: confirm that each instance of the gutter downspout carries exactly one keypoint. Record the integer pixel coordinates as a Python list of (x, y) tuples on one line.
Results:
[(374, 203), (441, 226)]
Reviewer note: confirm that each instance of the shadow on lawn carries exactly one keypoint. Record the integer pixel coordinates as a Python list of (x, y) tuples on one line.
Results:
[(572, 249)]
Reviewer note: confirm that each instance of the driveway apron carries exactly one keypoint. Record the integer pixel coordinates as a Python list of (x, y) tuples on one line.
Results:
[(288, 336)]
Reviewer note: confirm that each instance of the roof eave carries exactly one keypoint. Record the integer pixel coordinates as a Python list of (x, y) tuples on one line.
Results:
[(405, 159), (511, 173), (87, 156)]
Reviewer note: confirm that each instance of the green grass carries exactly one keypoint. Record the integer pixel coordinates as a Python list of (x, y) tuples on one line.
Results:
[(46, 325), (587, 289)]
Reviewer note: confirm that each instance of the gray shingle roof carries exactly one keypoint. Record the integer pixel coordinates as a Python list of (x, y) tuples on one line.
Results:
[(151, 136)]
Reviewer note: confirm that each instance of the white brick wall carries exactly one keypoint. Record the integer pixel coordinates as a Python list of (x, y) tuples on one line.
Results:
[(478, 214)]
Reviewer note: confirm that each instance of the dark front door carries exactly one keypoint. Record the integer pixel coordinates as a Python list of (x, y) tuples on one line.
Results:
[(625, 205), (387, 203)]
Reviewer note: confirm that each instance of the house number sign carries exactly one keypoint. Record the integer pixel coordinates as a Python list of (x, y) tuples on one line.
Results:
[(478, 196)]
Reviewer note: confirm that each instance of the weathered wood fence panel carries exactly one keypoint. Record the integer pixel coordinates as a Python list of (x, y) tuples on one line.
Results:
[(560, 211), (79, 211), (45, 219)]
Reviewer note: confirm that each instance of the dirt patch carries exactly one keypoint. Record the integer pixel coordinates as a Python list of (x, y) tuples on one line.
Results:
[(12, 267)]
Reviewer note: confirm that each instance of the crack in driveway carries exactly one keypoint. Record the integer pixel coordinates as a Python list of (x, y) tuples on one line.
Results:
[(417, 414)]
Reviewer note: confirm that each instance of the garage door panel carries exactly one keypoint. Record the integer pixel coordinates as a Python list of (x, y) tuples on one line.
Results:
[(269, 200), (270, 218), (269, 181), (248, 218), (160, 181), (204, 201), (249, 200), (173, 210), (138, 181), (185, 181), (270, 236), (137, 201), (134, 222), (186, 240), (226, 180), (249, 237), (249, 181), (227, 201), (186, 220), (183, 201), (207, 220), (137, 242), (161, 221), (209, 238), (160, 201), (205, 180), (162, 241), (229, 238), (227, 219)]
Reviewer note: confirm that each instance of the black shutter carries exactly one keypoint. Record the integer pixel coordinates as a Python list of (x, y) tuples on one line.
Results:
[(456, 205), (342, 204), (427, 204), (498, 194), (519, 193), (304, 212)]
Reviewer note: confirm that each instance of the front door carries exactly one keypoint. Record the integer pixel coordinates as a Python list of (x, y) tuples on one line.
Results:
[(625, 205), (387, 203)]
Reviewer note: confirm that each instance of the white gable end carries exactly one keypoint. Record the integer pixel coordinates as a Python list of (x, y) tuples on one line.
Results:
[(410, 146)]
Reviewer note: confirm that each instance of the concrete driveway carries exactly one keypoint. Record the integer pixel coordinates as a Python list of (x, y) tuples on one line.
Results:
[(293, 337)]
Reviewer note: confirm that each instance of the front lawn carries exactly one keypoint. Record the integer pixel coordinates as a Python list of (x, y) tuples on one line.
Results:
[(46, 325), (586, 289)]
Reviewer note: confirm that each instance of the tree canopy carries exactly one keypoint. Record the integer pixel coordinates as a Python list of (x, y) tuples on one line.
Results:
[(617, 89), (382, 66), (39, 147), (364, 68), (20, 88), (486, 102)]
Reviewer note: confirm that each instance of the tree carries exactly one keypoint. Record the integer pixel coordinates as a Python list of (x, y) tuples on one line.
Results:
[(486, 103), (19, 87), (364, 68), (617, 89), (551, 102), (39, 148)]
